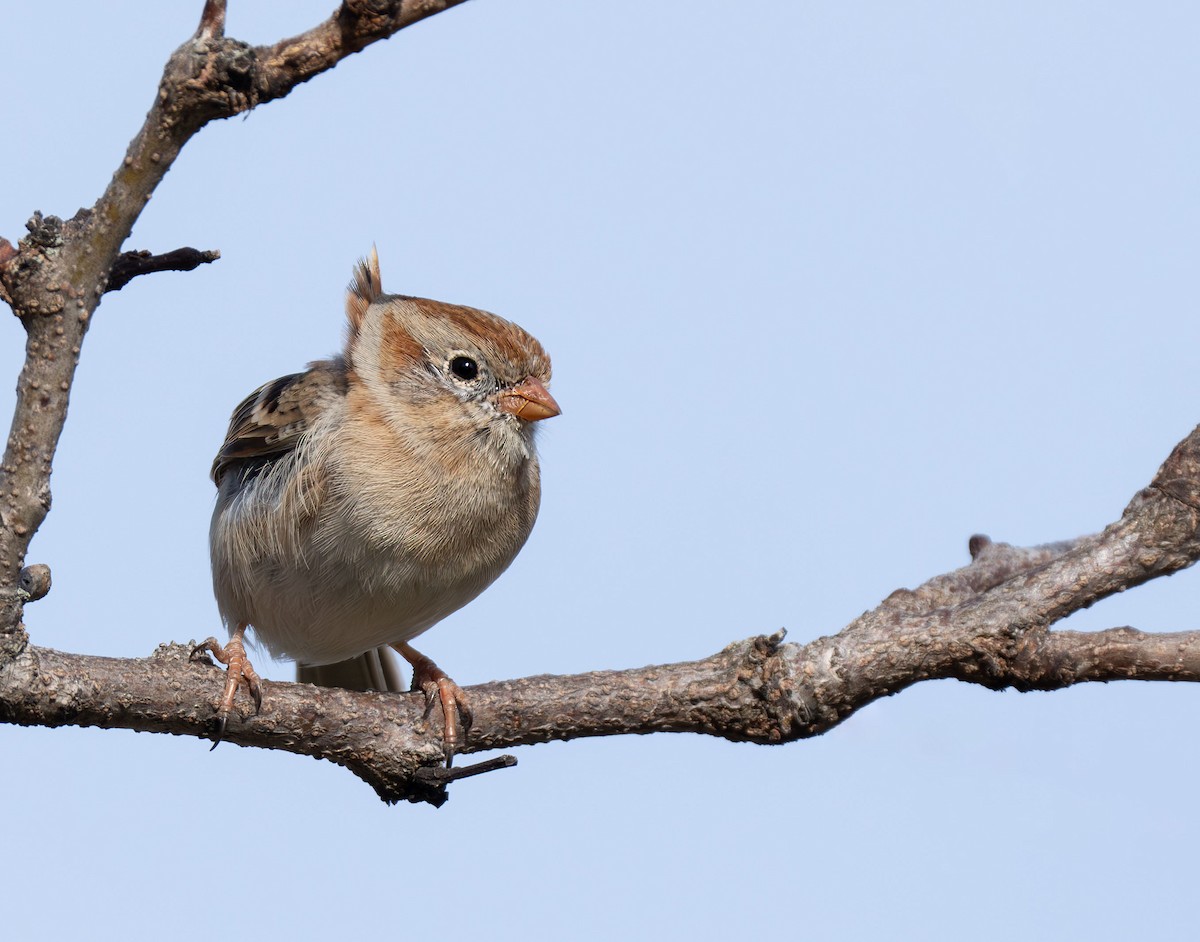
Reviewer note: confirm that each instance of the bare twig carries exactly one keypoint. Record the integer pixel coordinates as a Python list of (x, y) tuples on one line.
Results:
[(212, 20), (353, 27), (441, 777), (130, 265)]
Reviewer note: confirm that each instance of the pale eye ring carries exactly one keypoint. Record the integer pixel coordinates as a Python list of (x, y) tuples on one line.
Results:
[(464, 367)]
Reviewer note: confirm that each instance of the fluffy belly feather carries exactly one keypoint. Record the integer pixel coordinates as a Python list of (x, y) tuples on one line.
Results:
[(342, 585)]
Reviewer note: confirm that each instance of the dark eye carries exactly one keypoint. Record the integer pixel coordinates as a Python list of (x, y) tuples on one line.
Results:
[(464, 367)]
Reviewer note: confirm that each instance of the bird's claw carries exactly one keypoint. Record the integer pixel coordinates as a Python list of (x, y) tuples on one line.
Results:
[(238, 673), (432, 681), (456, 712), (220, 731)]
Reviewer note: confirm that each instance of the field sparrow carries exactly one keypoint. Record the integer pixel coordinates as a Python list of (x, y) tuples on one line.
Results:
[(367, 498)]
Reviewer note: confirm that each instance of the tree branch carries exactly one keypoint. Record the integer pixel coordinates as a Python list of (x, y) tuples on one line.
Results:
[(130, 265), (1056, 659), (354, 26), (987, 623)]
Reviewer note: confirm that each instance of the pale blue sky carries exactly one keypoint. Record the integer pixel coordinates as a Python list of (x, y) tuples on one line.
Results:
[(828, 286)]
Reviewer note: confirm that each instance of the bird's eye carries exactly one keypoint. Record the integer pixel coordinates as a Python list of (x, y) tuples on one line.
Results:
[(464, 367)]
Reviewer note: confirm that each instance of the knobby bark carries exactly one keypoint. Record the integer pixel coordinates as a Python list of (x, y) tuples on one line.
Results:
[(988, 623)]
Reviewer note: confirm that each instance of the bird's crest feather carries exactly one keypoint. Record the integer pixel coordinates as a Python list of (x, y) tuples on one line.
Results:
[(365, 288)]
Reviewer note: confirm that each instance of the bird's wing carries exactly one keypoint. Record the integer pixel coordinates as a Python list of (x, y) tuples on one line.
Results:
[(272, 420)]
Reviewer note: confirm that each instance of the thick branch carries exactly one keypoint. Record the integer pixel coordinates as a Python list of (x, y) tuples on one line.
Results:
[(987, 623), (381, 738), (756, 690), (1056, 659)]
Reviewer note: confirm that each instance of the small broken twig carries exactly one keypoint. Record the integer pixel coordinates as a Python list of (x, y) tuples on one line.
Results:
[(131, 264)]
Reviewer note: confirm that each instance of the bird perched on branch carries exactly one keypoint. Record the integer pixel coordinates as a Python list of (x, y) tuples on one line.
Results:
[(367, 498)]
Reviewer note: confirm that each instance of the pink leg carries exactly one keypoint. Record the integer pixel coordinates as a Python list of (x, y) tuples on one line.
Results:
[(433, 682), (238, 673)]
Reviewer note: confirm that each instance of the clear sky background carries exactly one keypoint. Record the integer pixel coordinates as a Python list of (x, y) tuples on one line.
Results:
[(829, 287)]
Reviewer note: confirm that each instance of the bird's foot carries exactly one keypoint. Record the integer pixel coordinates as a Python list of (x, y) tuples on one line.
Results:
[(432, 681), (456, 712), (238, 673)]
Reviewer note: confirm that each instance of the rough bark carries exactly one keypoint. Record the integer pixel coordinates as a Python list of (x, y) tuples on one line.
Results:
[(987, 623)]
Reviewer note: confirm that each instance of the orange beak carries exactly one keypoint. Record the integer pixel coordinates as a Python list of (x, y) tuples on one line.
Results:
[(529, 400)]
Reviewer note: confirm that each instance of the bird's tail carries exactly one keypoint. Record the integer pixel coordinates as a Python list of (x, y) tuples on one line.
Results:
[(374, 670)]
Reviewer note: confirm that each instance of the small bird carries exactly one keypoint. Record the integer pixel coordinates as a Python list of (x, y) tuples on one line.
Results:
[(363, 500)]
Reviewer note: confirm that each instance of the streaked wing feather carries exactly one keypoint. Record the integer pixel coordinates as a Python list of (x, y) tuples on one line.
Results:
[(271, 421)]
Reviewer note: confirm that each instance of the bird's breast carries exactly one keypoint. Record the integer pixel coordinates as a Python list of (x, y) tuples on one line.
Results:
[(383, 546)]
